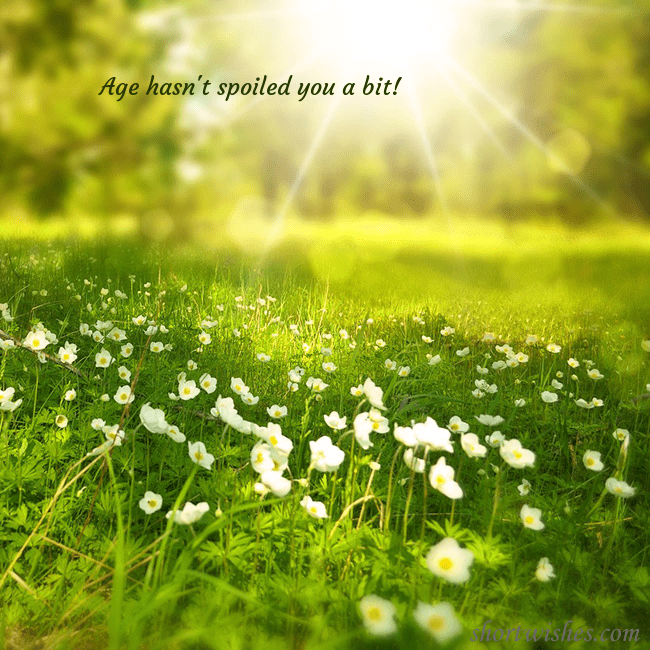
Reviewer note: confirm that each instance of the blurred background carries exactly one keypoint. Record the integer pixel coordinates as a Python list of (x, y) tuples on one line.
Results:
[(507, 112)]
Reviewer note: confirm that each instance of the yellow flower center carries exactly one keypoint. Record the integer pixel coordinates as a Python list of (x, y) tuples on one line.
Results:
[(103, 360), (374, 614), (273, 440), (517, 454), (186, 391), (124, 396), (440, 480), (313, 509), (260, 458), (445, 563), (198, 455), (152, 503), (277, 413), (590, 461), (436, 623), (529, 519)]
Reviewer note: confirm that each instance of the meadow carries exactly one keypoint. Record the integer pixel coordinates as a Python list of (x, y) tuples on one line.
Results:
[(379, 436)]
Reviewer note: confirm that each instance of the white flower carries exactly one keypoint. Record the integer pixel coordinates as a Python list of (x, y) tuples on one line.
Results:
[(441, 477), (549, 397), (573, 363), (447, 331), (175, 434), (378, 615), (390, 365), (190, 513), (519, 403), (462, 353), (126, 350), (272, 433), (208, 383), (275, 482), (558, 385), (157, 346), (36, 340), (205, 338), (591, 460), (335, 421), (328, 366), (187, 389), (583, 404), (98, 424), (645, 345), (429, 434), (435, 360), (449, 561), (199, 454), (153, 419), (117, 334), (103, 359), (114, 435), (531, 518), (374, 394), (438, 620), (405, 435), (524, 488), (619, 488), (264, 358), (495, 439), (457, 425), (515, 455), (554, 348), (151, 502), (362, 430), (357, 391), (621, 434), (316, 385), (124, 373), (489, 420), (472, 447), (276, 411), (124, 395), (413, 462), (70, 395), (261, 460), (596, 402), (68, 353), (250, 399), (325, 456), (61, 421), (544, 571), (315, 509)]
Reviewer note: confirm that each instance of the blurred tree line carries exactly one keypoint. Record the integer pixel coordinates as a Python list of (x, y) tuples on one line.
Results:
[(582, 83)]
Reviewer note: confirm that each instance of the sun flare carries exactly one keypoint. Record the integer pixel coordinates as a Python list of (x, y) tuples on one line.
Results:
[(382, 32)]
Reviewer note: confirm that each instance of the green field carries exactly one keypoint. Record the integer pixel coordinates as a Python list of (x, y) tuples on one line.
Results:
[(552, 326)]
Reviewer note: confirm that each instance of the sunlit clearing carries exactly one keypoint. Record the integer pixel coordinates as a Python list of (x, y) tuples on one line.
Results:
[(383, 32)]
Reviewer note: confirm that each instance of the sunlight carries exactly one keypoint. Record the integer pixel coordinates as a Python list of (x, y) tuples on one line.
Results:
[(382, 32)]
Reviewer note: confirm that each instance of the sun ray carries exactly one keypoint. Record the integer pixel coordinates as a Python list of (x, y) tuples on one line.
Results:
[(461, 95), (278, 221), (416, 109), (526, 131)]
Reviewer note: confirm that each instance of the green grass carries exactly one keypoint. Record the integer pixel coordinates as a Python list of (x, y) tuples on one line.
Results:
[(83, 566)]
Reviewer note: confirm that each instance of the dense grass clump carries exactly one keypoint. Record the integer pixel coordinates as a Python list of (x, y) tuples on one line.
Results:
[(363, 467)]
